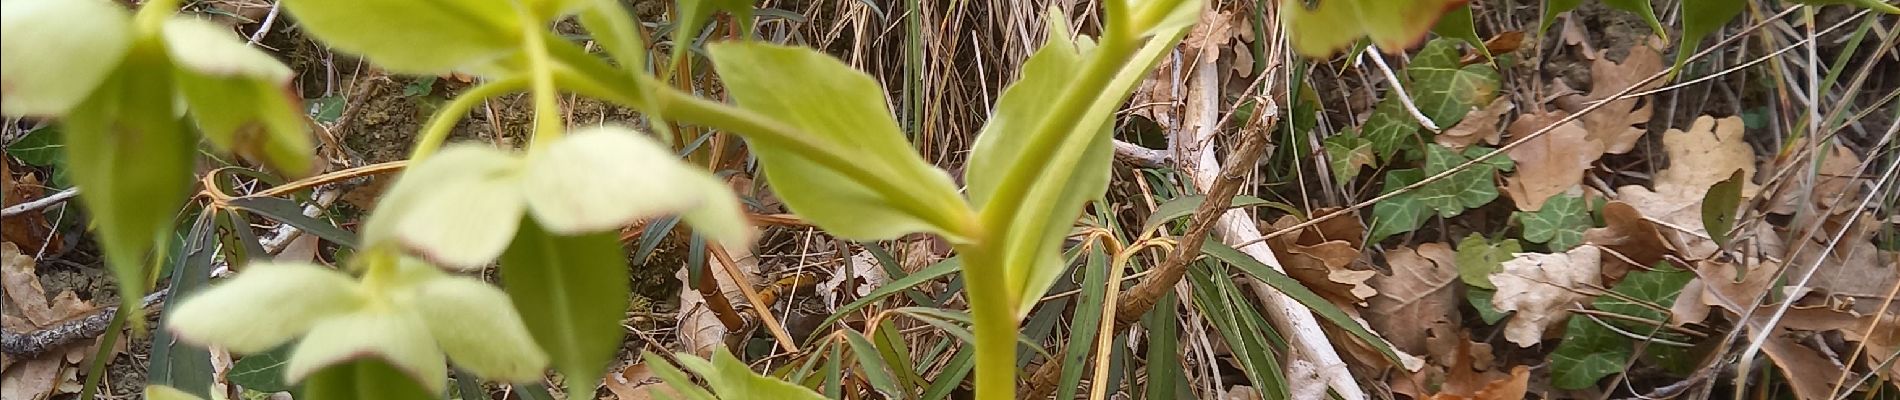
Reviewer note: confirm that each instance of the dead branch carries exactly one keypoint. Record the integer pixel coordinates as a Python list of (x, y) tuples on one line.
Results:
[(32, 344)]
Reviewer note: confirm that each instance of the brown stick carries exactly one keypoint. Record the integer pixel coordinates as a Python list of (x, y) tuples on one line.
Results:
[(1142, 298), (32, 344)]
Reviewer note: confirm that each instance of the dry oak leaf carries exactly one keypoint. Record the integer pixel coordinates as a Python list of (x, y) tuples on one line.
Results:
[(1479, 125), (1706, 154), (1325, 260), (28, 310), (1857, 273), (636, 382), (1542, 288), (1811, 373), (1619, 124), (27, 230), (1550, 164), (1512, 387), (1837, 181), (1417, 297), (1635, 243)]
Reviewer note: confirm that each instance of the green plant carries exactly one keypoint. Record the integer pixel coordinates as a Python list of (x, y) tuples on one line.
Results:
[(548, 213)]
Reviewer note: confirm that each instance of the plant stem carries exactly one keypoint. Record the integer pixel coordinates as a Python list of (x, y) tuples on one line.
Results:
[(444, 120), (151, 16), (547, 117), (992, 320)]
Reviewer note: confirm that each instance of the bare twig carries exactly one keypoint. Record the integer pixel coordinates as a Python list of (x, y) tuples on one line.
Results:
[(1398, 87), (1136, 155), (31, 344), (43, 202)]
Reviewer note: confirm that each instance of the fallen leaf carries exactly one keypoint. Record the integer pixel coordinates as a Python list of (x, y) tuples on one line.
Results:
[(636, 382), (28, 311), (1574, 34), (1542, 288), (1706, 154), (1479, 125), (862, 274), (1619, 124), (1811, 374), (1635, 242), (1856, 272), (1511, 387), (28, 230), (1836, 180), (1550, 164), (1417, 296), (1478, 258), (1329, 266)]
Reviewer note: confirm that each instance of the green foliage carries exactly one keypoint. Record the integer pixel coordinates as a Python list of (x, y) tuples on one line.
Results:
[(1183, 206), (1591, 351), (1458, 24), (236, 94), (1402, 213), (1699, 19), (416, 36), (1444, 89), (263, 372), (40, 147), (577, 287), (1721, 205), (57, 52), (732, 379), (1559, 224), (1390, 128), (1642, 9), (1465, 189), (1478, 258), (853, 117), (366, 378), (1347, 154), (1333, 25)]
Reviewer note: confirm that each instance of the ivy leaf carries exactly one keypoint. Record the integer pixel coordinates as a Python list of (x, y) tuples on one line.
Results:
[(577, 288), (236, 94), (1699, 19), (1480, 300), (133, 155), (1589, 353), (263, 372), (53, 53), (40, 147), (1458, 24), (853, 117), (1463, 190), (1346, 154), (423, 37), (1334, 24), (1478, 258), (1444, 89), (1559, 224), (1402, 213), (1390, 128)]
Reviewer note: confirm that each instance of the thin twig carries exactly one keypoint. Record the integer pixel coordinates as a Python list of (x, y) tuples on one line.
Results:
[(1372, 51), (43, 202), (763, 310), (31, 344)]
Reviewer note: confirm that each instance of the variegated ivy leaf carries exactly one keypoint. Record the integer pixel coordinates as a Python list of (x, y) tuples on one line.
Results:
[(1465, 189), (1390, 128), (53, 53), (236, 94), (415, 36), (1402, 213), (1559, 224), (1444, 89), (404, 312), (1347, 154), (462, 206)]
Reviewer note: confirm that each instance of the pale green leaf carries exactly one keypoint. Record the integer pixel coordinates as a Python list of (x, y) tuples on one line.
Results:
[(53, 53), (1443, 89), (732, 379), (479, 329), (578, 290), (618, 34), (1402, 213), (1347, 154), (1335, 24), (397, 337), (674, 378), (601, 179), (366, 378), (1551, 9), (128, 148), (424, 37), (207, 48), (263, 372), (162, 392), (1559, 224), (1478, 258), (236, 94), (839, 108), (265, 305), (458, 207), (1699, 19), (721, 217)]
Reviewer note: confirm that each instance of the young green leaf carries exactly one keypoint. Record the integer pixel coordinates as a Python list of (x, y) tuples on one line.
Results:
[(853, 118), (1390, 128), (732, 379), (53, 53), (422, 37), (1334, 24), (1721, 204), (1699, 19), (1478, 258), (577, 287), (133, 155), (364, 378), (1559, 224), (398, 337), (479, 329), (1444, 89)]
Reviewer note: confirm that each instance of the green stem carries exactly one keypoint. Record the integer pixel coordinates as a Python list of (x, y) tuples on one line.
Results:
[(444, 120), (993, 320), (151, 16), (547, 112)]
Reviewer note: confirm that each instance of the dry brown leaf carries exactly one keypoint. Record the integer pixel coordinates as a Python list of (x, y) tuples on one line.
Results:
[(28, 230), (1550, 164), (1417, 297), (1511, 387), (1836, 181), (1542, 288), (1619, 124), (1731, 287), (27, 311), (1326, 260), (864, 275), (1810, 373), (1479, 125), (636, 382), (1635, 243), (1574, 34), (1243, 392), (700, 330), (1857, 273), (1706, 154), (1882, 339)]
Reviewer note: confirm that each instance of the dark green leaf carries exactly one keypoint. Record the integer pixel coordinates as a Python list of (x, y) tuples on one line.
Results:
[(1551, 9), (1390, 128), (1559, 224), (874, 368), (1402, 213), (1346, 154), (1642, 9), (1480, 299), (1087, 324), (363, 378), (1589, 353), (172, 362), (1443, 88), (1471, 188), (934, 271), (1699, 19), (264, 372), (1721, 205), (1457, 24), (576, 291), (289, 212), (40, 147)]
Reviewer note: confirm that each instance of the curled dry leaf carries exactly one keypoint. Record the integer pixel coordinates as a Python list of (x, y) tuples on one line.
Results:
[(1631, 241), (28, 230), (1550, 164), (1479, 125), (27, 310), (1417, 297), (1325, 261), (700, 330), (1542, 288)]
